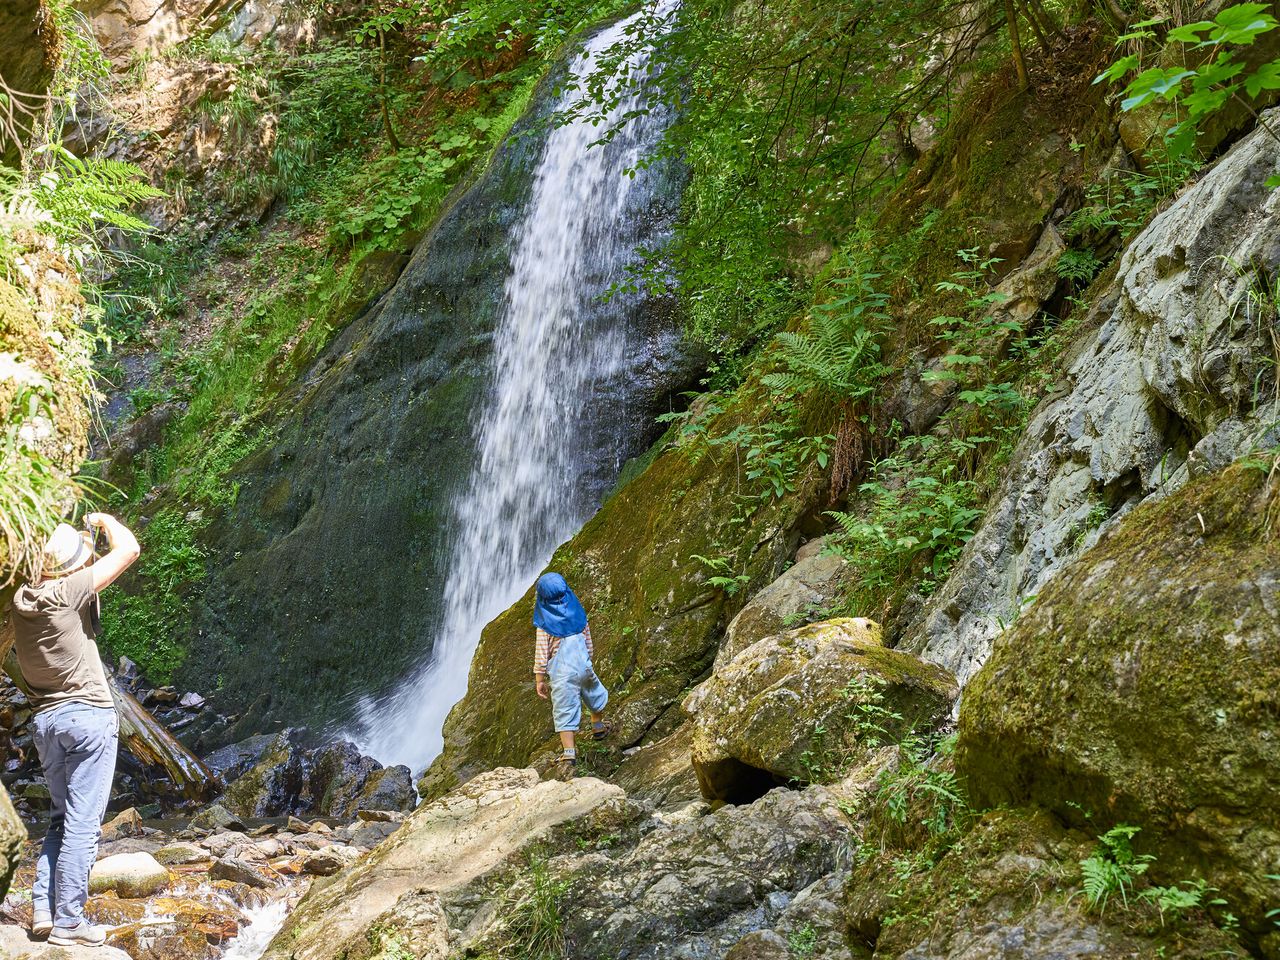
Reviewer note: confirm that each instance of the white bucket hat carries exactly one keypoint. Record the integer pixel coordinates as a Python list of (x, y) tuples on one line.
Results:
[(65, 551)]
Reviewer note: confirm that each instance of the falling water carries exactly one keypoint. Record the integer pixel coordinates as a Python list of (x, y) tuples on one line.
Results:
[(550, 439)]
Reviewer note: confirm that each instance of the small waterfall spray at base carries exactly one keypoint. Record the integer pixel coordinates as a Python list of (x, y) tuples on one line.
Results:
[(548, 435)]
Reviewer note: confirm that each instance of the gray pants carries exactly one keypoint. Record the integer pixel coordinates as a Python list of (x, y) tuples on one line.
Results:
[(77, 747)]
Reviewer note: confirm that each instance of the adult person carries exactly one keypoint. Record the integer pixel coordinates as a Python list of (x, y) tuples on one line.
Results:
[(562, 655), (74, 722)]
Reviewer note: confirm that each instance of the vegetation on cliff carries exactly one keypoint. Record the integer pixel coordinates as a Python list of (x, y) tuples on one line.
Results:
[(907, 229)]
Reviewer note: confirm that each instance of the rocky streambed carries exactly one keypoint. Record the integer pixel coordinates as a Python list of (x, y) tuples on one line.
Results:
[(181, 878), (216, 886)]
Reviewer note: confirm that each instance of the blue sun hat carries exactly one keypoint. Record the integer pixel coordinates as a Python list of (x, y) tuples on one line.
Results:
[(557, 610)]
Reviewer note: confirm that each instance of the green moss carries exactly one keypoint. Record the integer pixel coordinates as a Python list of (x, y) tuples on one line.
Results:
[(144, 616), (1144, 685), (1013, 869)]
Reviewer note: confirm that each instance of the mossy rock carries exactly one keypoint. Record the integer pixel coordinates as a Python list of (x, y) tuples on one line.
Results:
[(786, 708), (45, 389), (1143, 686), (12, 835), (1009, 887), (655, 621)]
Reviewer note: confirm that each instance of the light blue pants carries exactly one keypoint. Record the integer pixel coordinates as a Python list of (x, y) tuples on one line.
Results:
[(573, 680), (77, 747)]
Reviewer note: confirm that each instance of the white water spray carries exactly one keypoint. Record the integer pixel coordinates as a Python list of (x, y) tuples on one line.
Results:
[(552, 366)]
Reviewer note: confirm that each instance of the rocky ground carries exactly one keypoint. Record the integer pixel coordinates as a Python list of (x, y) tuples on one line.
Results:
[(190, 892), (183, 880)]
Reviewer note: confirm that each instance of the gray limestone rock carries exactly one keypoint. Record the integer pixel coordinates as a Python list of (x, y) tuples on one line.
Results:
[(1168, 376)]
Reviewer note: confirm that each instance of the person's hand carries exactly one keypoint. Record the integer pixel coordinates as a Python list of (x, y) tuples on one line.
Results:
[(96, 519), (542, 686)]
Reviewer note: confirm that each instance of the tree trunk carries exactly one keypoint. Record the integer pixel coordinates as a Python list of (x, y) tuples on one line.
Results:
[(1019, 64), (387, 128)]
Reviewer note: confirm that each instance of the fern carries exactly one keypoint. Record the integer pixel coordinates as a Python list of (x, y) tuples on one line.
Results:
[(1114, 867), (83, 194), (839, 353)]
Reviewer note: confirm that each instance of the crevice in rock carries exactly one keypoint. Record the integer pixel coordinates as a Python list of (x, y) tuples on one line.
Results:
[(733, 782)]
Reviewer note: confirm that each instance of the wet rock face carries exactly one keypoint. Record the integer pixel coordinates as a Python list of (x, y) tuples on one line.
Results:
[(1144, 685), (287, 778), (1173, 381), (786, 707)]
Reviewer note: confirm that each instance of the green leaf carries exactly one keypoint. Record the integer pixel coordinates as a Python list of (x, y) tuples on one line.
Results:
[(1205, 101), (1189, 33), (1266, 77), (1273, 181), (1118, 69), (1180, 139), (1242, 23)]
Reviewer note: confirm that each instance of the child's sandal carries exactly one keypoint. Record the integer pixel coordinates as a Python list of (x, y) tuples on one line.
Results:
[(602, 731)]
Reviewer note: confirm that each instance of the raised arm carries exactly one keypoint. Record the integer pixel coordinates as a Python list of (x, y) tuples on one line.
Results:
[(123, 549)]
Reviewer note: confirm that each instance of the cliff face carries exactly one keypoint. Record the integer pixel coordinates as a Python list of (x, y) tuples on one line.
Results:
[(1174, 378)]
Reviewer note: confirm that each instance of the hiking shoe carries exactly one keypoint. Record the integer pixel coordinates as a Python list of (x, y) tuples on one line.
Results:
[(601, 730), (566, 767), (41, 925), (83, 934)]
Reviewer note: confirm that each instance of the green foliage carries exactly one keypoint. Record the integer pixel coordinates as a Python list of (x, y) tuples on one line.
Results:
[(791, 120), (919, 785), (535, 923), (1197, 93), (917, 508), (1114, 867), (75, 198), (803, 942), (838, 355), (33, 492), (1176, 901), (722, 575), (1078, 266), (144, 625)]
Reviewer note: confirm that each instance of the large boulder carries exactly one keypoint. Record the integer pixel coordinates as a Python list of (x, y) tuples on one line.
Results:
[(794, 706), (339, 773), (1009, 890), (130, 875), (388, 789), (694, 887), (442, 847), (1143, 686), (800, 594)]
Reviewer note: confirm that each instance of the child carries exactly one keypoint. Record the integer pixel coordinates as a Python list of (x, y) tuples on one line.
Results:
[(562, 653)]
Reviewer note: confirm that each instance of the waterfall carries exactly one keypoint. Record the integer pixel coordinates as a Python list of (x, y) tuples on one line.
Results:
[(550, 438)]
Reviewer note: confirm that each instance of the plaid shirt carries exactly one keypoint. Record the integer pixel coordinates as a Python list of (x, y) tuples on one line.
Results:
[(545, 647)]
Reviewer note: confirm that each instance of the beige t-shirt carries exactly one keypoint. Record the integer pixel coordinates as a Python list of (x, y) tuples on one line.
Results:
[(54, 641)]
